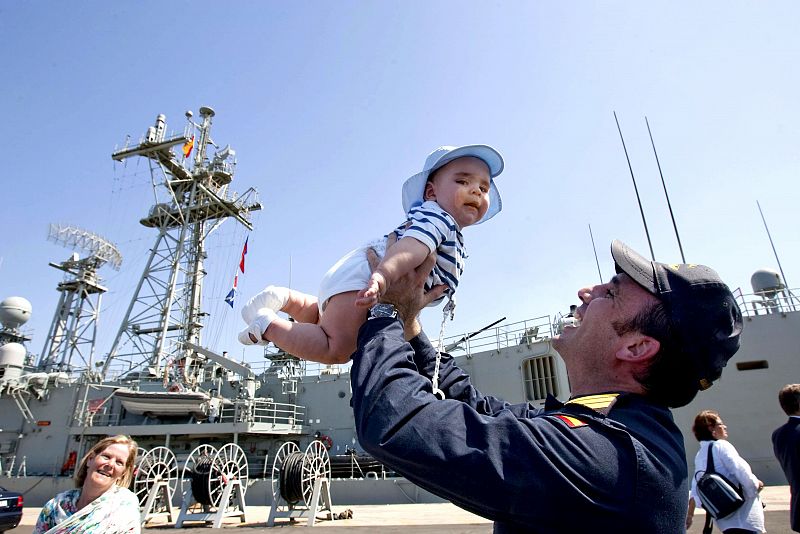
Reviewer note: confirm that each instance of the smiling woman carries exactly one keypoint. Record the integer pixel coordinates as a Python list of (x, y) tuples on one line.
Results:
[(101, 501)]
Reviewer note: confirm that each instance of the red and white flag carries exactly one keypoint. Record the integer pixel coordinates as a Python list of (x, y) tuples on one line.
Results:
[(244, 252)]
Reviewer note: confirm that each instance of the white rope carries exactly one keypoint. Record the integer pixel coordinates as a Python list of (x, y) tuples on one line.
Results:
[(447, 311)]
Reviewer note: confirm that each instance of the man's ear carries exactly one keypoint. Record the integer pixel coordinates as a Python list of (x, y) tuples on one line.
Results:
[(638, 348), (430, 191)]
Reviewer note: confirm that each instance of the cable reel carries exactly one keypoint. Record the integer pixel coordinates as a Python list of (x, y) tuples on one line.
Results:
[(197, 463), (214, 478), (316, 466), (286, 450), (229, 465), (291, 476), (201, 480), (299, 479), (155, 483)]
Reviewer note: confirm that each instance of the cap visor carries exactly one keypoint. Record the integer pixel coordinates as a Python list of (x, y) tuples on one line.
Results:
[(630, 262)]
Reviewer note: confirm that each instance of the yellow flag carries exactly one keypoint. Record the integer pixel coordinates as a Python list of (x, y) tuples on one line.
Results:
[(187, 147)]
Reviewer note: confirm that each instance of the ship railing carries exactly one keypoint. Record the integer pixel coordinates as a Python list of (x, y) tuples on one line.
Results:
[(287, 367), (499, 337), (103, 419), (264, 411), (767, 302), (217, 165), (495, 338), (88, 414), (352, 465)]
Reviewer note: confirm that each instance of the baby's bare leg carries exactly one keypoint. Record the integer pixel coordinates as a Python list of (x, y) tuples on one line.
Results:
[(331, 341), (299, 305), (302, 307)]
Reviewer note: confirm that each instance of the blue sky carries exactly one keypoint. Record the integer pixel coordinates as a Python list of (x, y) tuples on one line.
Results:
[(331, 105)]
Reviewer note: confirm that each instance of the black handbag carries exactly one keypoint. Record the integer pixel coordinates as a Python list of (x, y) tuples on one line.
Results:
[(720, 497)]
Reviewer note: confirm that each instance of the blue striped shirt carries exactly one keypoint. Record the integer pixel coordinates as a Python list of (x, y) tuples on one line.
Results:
[(436, 229)]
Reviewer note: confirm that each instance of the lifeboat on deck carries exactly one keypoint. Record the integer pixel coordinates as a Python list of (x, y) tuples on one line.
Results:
[(164, 403)]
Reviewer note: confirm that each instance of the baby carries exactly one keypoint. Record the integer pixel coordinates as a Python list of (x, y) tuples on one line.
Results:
[(455, 189)]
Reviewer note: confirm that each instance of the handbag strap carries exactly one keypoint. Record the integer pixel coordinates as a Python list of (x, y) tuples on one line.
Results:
[(708, 525), (710, 459), (709, 469)]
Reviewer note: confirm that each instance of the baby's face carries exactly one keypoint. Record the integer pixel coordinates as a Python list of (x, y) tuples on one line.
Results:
[(461, 188)]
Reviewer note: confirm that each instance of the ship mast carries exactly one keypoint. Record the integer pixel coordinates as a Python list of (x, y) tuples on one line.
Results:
[(165, 311), (73, 331)]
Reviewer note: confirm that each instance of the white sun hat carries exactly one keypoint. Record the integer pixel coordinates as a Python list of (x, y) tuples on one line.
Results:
[(414, 187)]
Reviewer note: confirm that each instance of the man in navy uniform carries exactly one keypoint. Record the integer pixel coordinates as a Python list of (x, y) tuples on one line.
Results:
[(786, 444), (610, 459)]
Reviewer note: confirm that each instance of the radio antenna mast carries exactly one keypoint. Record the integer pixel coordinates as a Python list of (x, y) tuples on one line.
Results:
[(639, 200), (594, 248), (772, 244), (664, 185)]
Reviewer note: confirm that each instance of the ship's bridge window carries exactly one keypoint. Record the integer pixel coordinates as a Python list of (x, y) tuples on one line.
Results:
[(540, 378)]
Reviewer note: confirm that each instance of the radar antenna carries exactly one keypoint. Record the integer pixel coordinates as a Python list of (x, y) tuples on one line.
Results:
[(76, 238), (70, 342)]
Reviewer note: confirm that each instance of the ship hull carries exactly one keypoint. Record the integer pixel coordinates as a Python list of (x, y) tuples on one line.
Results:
[(520, 368)]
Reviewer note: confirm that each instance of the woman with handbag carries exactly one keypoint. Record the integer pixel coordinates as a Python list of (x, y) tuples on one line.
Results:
[(710, 431)]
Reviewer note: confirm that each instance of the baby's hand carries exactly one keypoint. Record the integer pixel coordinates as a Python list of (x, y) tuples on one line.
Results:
[(368, 296)]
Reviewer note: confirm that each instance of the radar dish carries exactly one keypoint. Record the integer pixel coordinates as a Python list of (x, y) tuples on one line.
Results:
[(77, 238), (14, 312), (767, 282)]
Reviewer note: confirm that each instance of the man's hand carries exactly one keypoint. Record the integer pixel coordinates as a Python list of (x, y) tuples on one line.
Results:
[(408, 294)]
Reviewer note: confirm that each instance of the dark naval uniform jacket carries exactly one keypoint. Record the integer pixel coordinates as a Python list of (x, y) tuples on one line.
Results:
[(786, 444), (612, 462)]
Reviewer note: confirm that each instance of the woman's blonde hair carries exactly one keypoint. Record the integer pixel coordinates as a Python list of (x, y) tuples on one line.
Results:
[(100, 446)]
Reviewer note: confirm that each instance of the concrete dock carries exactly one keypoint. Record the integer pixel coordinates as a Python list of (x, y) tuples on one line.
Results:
[(417, 519)]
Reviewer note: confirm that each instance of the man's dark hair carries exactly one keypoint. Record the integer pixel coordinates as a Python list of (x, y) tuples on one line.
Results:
[(666, 380), (704, 424), (789, 397)]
